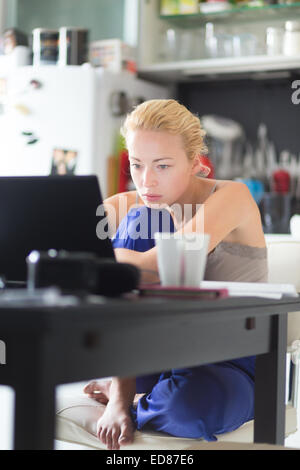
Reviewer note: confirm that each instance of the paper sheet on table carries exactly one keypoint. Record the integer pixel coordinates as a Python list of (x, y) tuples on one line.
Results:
[(253, 289)]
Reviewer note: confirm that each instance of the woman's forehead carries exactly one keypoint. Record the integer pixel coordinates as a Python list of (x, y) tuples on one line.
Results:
[(142, 141), (159, 159)]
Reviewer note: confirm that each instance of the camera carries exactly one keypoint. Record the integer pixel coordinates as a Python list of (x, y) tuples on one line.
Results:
[(81, 273)]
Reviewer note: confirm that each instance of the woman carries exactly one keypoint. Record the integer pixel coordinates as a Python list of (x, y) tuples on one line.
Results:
[(164, 142)]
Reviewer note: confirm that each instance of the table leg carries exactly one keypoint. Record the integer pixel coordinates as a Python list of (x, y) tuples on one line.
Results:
[(34, 419), (270, 377), (34, 400)]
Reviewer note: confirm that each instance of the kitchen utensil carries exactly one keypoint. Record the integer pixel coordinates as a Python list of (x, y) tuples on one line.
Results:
[(276, 212), (225, 139)]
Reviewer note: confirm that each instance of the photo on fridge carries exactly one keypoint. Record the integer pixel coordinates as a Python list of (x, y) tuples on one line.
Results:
[(63, 162)]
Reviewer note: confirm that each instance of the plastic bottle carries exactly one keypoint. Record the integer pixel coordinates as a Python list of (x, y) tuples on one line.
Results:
[(281, 176)]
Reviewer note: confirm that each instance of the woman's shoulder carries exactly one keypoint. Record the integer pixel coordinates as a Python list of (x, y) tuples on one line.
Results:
[(233, 188), (237, 195), (239, 199), (234, 185), (228, 187)]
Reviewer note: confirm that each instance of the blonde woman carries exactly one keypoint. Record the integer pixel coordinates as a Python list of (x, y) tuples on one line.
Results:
[(164, 142)]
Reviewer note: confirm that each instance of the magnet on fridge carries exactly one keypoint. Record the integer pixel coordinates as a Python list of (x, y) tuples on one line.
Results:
[(118, 103), (31, 138), (27, 133), (32, 141), (21, 108), (36, 84)]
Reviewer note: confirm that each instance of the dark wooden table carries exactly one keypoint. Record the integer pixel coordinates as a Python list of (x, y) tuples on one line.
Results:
[(46, 346)]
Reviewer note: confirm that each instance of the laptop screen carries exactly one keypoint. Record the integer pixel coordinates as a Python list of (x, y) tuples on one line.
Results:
[(44, 212)]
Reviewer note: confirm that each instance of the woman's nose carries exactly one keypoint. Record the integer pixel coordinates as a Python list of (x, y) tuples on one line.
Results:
[(149, 178)]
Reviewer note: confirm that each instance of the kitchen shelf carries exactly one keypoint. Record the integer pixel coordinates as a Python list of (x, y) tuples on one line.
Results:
[(186, 70), (236, 14), (153, 25)]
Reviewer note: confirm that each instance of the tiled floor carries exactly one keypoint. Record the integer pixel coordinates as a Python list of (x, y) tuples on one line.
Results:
[(6, 423)]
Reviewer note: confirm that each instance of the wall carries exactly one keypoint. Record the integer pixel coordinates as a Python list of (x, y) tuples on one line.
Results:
[(250, 102), (104, 18), (8, 9), (2, 15)]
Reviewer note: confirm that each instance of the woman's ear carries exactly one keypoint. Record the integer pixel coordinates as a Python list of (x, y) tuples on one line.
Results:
[(196, 165)]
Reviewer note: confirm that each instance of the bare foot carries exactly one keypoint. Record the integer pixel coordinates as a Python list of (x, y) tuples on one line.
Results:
[(99, 390), (115, 427)]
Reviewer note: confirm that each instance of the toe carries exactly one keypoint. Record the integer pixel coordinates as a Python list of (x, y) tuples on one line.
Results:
[(115, 441), (90, 387), (126, 436)]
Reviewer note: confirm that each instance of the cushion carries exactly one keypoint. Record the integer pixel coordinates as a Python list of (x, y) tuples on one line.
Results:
[(284, 262), (202, 445), (77, 416)]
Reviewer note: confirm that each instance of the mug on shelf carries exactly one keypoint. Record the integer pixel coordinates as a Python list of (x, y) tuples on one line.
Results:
[(274, 40), (244, 44)]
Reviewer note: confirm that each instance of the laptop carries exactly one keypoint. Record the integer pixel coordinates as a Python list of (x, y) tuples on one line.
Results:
[(45, 212)]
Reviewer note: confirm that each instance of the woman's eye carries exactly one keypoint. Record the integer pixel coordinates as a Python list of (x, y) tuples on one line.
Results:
[(163, 167), (137, 166)]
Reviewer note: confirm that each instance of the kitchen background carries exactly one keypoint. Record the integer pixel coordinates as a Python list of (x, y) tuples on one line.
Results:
[(232, 63)]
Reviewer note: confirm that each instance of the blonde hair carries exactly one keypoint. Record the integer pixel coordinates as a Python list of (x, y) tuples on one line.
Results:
[(172, 117)]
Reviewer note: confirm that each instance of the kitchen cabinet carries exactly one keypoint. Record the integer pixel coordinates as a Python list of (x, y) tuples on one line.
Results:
[(156, 63)]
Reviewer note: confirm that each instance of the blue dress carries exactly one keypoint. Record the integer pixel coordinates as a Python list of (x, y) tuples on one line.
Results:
[(196, 402)]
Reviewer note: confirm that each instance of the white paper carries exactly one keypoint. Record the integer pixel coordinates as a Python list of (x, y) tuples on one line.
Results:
[(253, 289)]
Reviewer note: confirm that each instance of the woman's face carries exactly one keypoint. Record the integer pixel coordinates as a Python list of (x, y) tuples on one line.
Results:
[(160, 168)]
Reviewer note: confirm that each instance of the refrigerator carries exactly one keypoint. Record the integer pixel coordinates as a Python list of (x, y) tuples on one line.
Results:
[(66, 120)]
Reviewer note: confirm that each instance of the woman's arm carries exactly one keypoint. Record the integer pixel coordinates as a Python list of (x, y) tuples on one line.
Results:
[(116, 208), (146, 261), (227, 209)]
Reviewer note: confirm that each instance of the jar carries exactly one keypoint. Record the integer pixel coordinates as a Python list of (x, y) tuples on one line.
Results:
[(244, 44), (73, 46), (291, 40), (45, 46), (274, 37)]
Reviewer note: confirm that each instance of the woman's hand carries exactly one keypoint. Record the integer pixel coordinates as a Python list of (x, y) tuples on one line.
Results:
[(145, 261)]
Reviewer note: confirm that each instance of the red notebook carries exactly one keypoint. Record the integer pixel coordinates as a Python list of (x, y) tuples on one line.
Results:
[(150, 290)]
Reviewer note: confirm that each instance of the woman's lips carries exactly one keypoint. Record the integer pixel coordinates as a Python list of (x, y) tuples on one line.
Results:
[(152, 197)]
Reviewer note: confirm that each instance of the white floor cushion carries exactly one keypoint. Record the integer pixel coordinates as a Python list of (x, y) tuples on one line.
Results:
[(7, 408), (77, 416)]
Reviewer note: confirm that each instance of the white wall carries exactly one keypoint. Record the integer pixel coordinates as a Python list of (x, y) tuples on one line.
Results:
[(8, 14)]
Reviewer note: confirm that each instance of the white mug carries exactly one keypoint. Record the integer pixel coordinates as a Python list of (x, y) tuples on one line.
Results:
[(181, 258), (169, 258), (194, 258)]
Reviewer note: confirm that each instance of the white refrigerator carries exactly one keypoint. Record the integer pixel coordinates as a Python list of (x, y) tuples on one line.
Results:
[(65, 119)]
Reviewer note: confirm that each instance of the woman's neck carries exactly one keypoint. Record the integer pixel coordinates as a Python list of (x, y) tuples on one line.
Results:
[(189, 202)]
